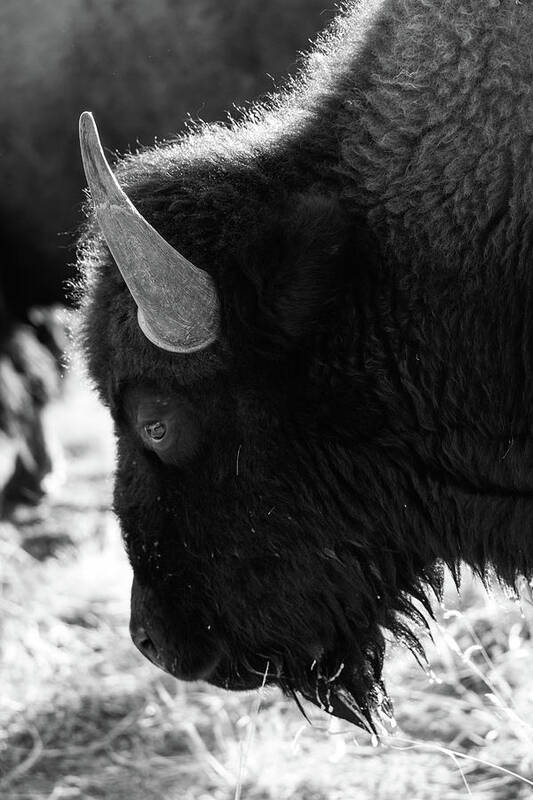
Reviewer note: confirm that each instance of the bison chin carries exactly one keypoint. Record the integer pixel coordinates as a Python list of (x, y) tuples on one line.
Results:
[(344, 689), (347, 686), (345, 683)]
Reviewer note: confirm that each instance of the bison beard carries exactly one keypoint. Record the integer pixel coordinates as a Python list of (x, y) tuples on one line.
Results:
[(292, 491)]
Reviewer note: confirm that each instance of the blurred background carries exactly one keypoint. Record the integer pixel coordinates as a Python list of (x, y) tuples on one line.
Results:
[(82, 715)]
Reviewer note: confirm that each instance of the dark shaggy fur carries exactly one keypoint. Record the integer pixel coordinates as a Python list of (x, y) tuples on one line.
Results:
[(365, 416)]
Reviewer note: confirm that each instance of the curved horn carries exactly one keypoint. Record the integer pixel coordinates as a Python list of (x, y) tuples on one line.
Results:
[(177, 302)]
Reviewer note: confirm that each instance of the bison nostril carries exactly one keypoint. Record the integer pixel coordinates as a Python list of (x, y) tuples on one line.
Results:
[(142, 642)]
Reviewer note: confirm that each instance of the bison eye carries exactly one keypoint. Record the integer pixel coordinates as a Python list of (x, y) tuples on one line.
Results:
[(164, 424), (155, 430)]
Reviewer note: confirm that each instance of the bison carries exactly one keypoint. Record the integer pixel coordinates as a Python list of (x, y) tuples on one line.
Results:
[(171, 53), (30, 368), (317, 351)]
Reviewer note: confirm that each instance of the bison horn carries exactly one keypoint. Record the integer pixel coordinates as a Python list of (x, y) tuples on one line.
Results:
[(177, 302)]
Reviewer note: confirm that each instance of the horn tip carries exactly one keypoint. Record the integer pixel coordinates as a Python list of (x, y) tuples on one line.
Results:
[(86, 123)]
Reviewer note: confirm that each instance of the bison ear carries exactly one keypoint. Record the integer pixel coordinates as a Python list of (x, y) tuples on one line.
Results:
[(296, 274)]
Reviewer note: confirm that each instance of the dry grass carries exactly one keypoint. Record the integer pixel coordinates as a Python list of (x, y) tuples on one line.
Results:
[(82, 715)]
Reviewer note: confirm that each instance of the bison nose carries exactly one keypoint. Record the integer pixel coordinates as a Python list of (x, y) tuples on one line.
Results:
[(144, 644), (153, 636)]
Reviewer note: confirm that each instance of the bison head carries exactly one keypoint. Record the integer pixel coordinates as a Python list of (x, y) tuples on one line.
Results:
[(269, 541)]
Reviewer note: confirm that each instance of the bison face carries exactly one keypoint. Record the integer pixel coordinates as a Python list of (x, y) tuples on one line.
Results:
[(246, 566), (263, 517), (260, 531)]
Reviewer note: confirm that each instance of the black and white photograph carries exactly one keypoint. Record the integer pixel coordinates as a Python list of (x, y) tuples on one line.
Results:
[(266, 399)]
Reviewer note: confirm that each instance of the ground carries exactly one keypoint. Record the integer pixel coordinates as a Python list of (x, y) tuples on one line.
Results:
[(83, 715)]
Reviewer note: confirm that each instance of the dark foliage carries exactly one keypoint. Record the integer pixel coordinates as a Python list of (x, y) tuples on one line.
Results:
[(365, 416)]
